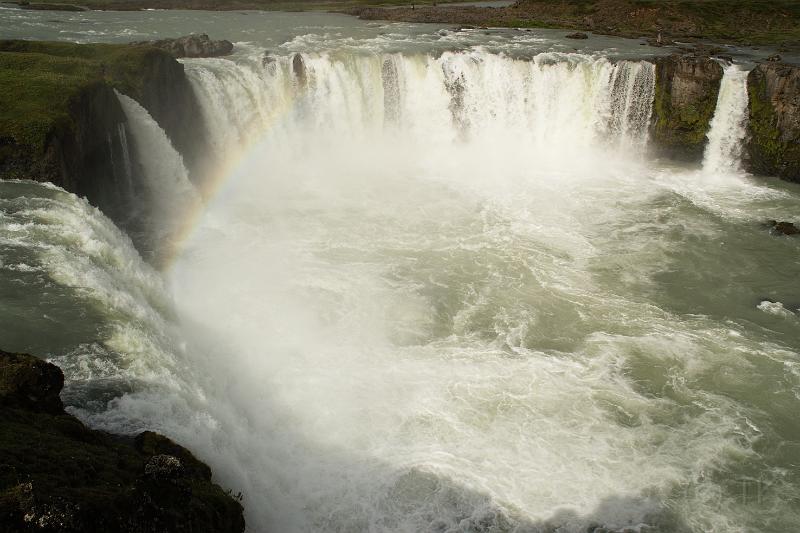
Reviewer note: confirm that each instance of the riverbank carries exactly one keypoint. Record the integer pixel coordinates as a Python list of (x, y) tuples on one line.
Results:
[(775, 24)]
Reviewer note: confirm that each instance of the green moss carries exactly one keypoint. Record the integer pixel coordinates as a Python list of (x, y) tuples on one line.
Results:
[(769, 153), (762, 119), (39, 81), (680, 130)]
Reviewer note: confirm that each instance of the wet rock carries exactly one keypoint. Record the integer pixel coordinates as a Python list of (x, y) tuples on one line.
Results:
[(576, 35), (685, 99), (194, 45), (299, 68), (163, 467), (57, 475), (773, 146), (783, 228), (30, 383), (775, 58)]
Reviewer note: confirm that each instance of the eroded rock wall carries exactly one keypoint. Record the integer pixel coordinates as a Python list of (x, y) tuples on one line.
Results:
[(685, 99), (773, 147)]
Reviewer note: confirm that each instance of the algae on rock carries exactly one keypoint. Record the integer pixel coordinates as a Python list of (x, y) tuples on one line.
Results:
[(685, 99), (773, 147)]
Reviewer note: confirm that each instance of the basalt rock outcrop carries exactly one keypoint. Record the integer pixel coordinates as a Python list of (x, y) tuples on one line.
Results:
[(62, 122), (193, 45), (56, 475), (685, 99), (773, 147), (166, 93), (83, 152)]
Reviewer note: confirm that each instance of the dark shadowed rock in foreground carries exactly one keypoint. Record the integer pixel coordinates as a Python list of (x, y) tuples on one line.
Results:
[(685, 99), (194, 45), (774, 143), (56, 475)]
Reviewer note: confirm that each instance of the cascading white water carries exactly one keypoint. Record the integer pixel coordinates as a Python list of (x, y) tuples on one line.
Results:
[(551, 103), (727, 130), (163, 165), (427, 299), (67, 244), (398, 301), (633, 85), (167, 190), (126, 159)]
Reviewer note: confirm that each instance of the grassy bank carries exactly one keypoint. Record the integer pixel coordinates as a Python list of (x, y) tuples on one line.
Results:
[(39, 80)]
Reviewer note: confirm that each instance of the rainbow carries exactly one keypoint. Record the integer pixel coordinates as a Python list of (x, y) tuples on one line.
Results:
[(212, 189)]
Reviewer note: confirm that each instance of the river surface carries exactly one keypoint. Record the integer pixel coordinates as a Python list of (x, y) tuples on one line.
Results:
[(439, 284)]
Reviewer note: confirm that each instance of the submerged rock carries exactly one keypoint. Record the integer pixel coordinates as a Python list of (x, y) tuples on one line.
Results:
[(774, 58), (773, 147), (783, 228), (57, 475), (576, 35), (193, 45), (685, 99)]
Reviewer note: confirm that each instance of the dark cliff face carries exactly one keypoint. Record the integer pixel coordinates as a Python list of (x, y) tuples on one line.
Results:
[(77, 138), (774, 144), (85, 154), (56, 475), (93, 155), (685, 99), (167, 94)]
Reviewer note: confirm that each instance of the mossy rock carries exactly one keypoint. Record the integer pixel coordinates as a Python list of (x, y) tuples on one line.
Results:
[(58, 475), (40, 80), (774, 122), (684, 103)]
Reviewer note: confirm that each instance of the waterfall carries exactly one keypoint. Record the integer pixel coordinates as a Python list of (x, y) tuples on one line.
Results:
[(633, 85), (434, 294), (126, 158), (423, 260), (168, 193), (164, 171), (728, 126), (550, 103)]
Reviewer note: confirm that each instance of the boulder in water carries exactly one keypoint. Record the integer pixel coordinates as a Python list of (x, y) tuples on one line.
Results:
[(783, 228), (775, 58), (193, 45), (576, 35)]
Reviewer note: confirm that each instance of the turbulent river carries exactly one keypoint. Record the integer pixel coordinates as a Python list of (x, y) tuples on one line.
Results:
[(440, 285)]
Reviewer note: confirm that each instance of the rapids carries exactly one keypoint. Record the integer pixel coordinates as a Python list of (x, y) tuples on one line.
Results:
[(440, 290)]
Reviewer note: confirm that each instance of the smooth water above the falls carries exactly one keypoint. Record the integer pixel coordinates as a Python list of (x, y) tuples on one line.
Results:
[(438, 288)]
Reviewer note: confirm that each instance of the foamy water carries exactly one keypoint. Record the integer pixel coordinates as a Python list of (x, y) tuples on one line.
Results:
[(441, 292)]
